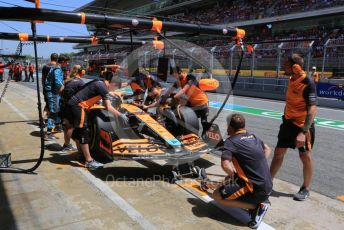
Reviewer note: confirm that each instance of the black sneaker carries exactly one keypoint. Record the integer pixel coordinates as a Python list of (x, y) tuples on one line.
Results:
[(258, 213), (302, 194)]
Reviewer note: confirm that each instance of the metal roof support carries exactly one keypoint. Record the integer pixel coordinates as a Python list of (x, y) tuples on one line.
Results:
[(29, 14), (324, 57)]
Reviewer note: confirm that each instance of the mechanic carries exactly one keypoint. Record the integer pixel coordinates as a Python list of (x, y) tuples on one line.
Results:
[(10, 71), (25, 72), (31, 71), (297, 128), (66, 70), (137, 85), (2, 70), (16, 72), (153, 97), (83, 100), (248, 183), (54, 86), (197, 99), (71, 86), (20, 72)]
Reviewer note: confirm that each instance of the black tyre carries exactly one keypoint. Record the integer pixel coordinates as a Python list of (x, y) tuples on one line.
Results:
[(189, 122), (97, 121)]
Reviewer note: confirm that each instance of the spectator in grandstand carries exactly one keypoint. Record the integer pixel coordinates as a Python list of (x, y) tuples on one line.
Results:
[(297, 129)]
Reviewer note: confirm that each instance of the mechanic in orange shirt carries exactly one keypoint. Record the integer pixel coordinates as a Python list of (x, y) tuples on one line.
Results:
[(297, 129), (31, 71), (2, 69), (197, 99)]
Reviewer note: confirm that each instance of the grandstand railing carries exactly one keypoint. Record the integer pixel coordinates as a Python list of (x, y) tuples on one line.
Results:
[(265, 61)]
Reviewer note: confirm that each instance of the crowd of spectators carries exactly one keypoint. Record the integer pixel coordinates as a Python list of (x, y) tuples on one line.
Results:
[(320, 36), (239, 10), (228, 11)]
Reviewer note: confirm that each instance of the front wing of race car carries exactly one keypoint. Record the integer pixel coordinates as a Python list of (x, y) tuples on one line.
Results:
[(191, 148)]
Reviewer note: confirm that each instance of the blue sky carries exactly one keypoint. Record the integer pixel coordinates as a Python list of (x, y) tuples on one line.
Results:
[(47, 28)]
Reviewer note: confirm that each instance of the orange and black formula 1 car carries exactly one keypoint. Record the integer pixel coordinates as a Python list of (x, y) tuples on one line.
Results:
[(146, 136)]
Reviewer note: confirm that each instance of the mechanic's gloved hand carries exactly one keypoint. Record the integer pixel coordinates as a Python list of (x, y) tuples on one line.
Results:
[(124, 118)]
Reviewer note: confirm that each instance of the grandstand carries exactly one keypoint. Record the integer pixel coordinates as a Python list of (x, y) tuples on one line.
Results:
[(317, 22)]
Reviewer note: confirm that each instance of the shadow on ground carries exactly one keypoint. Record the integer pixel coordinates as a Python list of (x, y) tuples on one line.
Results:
[(202, 209)]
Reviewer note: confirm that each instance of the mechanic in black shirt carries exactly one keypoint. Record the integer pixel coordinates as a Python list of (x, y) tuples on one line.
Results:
[(251, 183), (71, 87), (83, 100)]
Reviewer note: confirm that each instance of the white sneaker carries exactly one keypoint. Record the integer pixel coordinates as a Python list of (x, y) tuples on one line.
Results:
[(259, 214), (93, 164)]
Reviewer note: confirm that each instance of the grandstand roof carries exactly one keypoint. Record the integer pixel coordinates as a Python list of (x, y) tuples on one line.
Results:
[(101, 5)]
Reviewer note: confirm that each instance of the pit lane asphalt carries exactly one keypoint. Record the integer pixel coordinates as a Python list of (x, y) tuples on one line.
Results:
[(327, 152)]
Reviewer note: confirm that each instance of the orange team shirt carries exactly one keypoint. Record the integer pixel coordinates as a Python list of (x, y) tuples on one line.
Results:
[(196, 96), (316, 77), (301, 93)]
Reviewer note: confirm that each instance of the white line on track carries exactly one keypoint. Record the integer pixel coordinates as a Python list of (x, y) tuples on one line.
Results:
[(281, 103), (101, 186), (207, 199)]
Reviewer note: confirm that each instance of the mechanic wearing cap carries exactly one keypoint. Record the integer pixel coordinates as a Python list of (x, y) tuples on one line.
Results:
[(53, 87), (82, 101), (297, 129), (197, 99), (315, 75), (248, 184)]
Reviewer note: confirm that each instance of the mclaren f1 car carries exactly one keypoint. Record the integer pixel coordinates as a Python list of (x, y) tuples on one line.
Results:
[(170, 135)]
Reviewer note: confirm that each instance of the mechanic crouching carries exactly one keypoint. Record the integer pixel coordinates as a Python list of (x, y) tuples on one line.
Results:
[(82, 101)]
